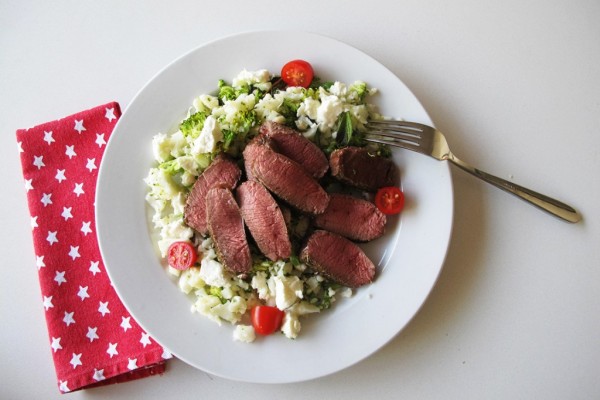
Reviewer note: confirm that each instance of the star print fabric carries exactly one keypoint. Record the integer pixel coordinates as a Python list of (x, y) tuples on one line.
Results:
[(94, 340)]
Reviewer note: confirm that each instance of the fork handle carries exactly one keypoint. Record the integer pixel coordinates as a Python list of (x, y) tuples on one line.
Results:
[(548, 204)]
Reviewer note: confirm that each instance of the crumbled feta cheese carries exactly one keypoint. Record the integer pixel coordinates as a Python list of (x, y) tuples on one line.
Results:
[(291, 325), (244, 333), (328, 112), (288, 289), (212, 272), (210, 135)]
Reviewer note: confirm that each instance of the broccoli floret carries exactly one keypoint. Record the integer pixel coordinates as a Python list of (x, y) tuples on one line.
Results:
[(192, 126)]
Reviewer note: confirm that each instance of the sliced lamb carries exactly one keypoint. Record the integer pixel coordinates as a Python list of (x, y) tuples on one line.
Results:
[(226, 228), (222, 172), (357, 167), (286, 179), (338, 258), (354, 218), (264, 220), (292, 144)]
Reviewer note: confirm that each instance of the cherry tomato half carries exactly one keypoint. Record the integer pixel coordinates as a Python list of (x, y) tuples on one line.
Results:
[(389, 200), (181, 255), (297, 73), (266, 319)]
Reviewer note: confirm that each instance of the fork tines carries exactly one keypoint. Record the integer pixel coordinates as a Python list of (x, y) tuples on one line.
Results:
[(394, 133)]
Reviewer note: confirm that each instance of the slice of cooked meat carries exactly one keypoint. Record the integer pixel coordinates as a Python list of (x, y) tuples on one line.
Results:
[(251, 152), (355, 166), (292, 144), (221, 172), (287, 180), (354, 218), (226, 228), (338, 258), (264, 220)]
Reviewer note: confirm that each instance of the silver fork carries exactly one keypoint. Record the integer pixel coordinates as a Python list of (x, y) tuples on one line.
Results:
[(429, 141)]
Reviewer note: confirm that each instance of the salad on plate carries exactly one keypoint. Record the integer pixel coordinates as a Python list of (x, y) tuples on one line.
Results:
[(262, 195)]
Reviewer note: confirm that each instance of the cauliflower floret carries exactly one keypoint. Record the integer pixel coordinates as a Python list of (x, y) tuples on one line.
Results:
[(260, 79), (244, 333), (190, 279), (205, 103)]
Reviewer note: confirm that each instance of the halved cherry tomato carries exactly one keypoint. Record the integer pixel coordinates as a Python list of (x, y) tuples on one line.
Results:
[(389, 200), (297, 73), (181, 255), (266, 319)]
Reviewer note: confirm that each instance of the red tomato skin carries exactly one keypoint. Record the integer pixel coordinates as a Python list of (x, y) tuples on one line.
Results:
[(266, 319), (389, 200), (297, 73), (181, 255)]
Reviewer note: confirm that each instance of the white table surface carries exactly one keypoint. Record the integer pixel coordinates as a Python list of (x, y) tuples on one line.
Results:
[(514, 84)]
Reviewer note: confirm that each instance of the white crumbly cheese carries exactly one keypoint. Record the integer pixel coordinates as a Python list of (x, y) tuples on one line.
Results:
[(212, 272), (244, 333), (291, 325), (328, 112), (288, 289), (210, 135)]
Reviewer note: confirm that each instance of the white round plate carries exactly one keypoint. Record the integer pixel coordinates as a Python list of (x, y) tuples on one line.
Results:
[(409, 256)]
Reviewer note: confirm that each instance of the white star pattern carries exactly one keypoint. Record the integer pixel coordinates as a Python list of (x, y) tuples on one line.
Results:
[(63, 386), (48, 303), (110, 114), (83, 294), (74, 252), (70, 151), (91, 164), (79, 126), (166, 354), (125, 323), (75, 360), (60, 277), (145, 340), (78, 189), (61, 163), (68, 319), (100, 139), (28, 185), (46, 199), (94, 269), (92, 334), (52, 238), (38, 161), (85, 228), (103, 308), (60, 175), (132, 364), (98, 374), (39, 262), (112, 349), (66, 214), (56, 344), (48, 137), (34, 223)]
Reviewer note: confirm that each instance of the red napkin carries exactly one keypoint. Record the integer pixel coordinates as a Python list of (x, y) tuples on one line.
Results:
[(93, 339)]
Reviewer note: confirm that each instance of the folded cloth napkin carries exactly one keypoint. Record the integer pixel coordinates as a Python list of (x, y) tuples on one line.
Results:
[(94, 340)]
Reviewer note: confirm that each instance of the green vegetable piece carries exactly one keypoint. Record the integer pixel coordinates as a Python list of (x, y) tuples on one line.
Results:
[(192, 126)]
